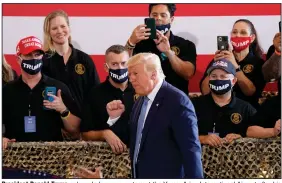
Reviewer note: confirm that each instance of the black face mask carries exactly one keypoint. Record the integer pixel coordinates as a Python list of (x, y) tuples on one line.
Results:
[(163, 28), (220, 87), (32, 66)]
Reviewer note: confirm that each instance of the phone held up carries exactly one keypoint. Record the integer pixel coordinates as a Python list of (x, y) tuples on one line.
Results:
[(222, 43), (151, 23)]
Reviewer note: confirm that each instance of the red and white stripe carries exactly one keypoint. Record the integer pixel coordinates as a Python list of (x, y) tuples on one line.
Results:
[(95, 27)]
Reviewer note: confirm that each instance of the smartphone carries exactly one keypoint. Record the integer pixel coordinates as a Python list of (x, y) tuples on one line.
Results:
[(49, 90), (280, 26), (151, 23), (222, 43)]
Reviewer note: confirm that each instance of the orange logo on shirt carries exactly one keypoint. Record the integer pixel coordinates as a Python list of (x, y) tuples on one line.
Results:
[(43, 93), (136, 96), (175, 49), (79, 69), (236, 118), (248, 68)]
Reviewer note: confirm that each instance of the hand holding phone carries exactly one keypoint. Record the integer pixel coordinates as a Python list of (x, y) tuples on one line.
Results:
[(222, 43), (49, 90), (151, 23)]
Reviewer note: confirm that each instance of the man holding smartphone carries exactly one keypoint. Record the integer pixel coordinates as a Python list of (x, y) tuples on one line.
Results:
[(178, 55), (25, 113)]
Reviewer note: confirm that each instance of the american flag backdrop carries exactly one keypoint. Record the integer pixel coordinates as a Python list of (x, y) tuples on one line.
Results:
[(95, 27)]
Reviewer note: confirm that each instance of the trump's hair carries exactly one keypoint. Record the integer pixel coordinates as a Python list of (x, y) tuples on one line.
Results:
[(150, 60)]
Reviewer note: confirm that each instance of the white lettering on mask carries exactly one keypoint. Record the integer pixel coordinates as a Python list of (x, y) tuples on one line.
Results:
[(217, 88), (28, 66)]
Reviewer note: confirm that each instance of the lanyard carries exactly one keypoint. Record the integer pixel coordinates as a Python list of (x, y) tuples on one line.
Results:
[(29, 110), (213, 129)]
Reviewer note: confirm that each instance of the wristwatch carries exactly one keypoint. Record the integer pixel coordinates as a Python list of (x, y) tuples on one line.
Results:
[(65, 113)]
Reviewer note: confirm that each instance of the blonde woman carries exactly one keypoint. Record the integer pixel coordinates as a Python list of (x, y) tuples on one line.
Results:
[(64, 62), (8, 74)]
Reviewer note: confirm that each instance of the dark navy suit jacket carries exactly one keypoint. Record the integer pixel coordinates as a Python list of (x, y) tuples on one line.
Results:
[(170, 146)]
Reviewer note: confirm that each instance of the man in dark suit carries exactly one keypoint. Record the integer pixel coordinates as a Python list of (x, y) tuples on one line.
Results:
[(164, 139)]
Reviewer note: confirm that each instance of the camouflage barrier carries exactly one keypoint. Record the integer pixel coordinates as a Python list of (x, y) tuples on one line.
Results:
[(244, 158)]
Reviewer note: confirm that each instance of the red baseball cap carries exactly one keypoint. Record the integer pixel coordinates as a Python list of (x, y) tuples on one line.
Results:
[(28, 45)]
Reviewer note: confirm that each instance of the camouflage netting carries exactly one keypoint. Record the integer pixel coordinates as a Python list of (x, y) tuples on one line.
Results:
[(58, 158), (244, 158)]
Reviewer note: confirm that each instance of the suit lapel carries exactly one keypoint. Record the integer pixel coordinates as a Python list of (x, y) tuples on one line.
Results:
[(153, 113)]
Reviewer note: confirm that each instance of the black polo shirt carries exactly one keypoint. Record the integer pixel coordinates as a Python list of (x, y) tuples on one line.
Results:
[(95, 114), (231, 118), (252, 68), (268, 113), (184, 49), (17, 96), (79, 74)]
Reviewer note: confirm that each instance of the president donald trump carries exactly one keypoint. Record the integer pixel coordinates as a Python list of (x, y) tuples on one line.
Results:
[(163, 125)]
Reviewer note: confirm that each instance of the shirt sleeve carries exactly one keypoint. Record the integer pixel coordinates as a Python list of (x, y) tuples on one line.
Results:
[(111, 122), (188, 52), (264, 117), (94, 115), (137, 49), (69, 101), (250, 112), (258, 78)]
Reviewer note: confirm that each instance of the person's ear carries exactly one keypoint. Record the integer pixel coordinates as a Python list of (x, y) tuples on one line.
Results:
[(253, 37), (106, 68), (19, 60), (154, 75), (233, 81)]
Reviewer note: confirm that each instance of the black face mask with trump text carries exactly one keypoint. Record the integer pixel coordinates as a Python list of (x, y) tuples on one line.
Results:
[(220, 87), (32, 66)]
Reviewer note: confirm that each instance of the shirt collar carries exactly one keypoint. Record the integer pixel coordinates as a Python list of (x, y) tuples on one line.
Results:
[(42, 80), (73, 53), (231, 104), (111, 87), (154, 92)]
